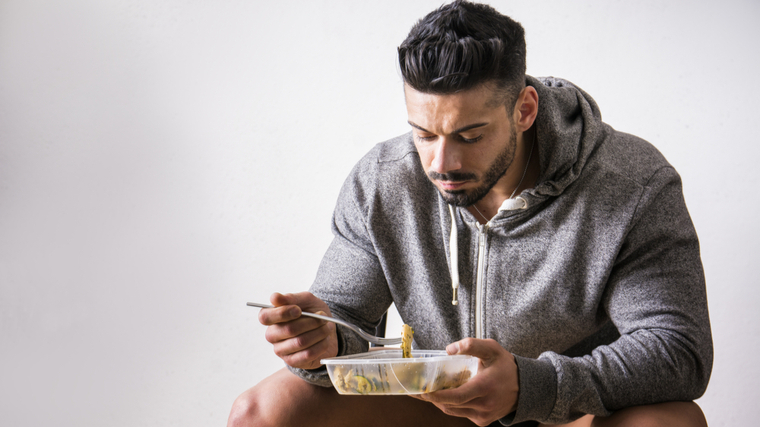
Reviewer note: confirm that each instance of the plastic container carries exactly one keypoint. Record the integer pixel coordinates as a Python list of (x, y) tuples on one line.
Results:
[(386, 372)]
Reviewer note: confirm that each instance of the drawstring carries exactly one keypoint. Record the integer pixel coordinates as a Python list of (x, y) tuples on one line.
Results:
[(454, 253), (508, 205)]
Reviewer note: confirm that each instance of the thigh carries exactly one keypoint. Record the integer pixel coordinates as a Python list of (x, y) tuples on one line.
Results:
[(670, 414), (284, 399)]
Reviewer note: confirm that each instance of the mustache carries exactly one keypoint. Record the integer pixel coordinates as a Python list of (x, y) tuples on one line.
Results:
[(452, 176)]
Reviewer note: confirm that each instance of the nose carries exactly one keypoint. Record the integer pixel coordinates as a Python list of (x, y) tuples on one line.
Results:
[(446, 156)]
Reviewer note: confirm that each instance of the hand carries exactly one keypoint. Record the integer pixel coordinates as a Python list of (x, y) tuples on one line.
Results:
[(301, 342), (489, 395)]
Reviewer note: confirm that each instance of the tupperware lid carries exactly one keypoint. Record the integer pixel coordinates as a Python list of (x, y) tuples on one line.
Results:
[(395, 355)]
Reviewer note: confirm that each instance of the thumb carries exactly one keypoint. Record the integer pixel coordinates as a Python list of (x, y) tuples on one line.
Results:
[(306, 301), (485, 350)]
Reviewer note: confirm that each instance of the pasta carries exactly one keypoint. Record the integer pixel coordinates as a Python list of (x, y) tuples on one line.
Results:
[(406, 341)]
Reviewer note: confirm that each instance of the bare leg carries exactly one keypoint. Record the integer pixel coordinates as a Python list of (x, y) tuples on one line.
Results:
[(284, 399), (670, 414)]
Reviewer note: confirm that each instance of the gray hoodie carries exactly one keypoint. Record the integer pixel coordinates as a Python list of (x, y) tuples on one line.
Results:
[(593, 280)]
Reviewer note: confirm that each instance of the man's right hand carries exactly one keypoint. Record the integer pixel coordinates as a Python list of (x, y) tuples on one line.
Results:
[(299, 341)]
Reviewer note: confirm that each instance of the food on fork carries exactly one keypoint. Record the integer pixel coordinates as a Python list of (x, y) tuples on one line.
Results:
[(406, 341)]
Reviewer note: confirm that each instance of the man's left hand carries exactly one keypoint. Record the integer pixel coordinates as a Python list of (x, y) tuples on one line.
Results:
[(489, 395)]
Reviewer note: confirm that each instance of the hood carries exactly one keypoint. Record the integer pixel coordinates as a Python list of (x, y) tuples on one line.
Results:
[(568, 128)]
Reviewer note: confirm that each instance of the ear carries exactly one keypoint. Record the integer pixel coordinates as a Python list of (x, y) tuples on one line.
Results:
[(526, 109)]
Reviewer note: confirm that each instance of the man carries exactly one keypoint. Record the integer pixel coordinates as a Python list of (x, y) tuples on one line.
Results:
[(512, 224)]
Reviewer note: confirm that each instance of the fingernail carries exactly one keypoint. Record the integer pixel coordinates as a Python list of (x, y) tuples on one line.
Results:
[(452, 348)]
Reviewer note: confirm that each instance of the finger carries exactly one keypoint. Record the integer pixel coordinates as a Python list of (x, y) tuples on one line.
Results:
[(478, 411), (280, 331), (306, 300), (460, 396), (473, 415), (457, 412), (437, 401), (308, 358), (277, 299), (281, 314), (300, 342)]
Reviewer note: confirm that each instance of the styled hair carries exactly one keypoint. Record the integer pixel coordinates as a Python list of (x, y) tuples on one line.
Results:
[(462, 45)]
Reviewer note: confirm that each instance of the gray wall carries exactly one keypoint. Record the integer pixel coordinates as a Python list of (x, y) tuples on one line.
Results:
[(162, 163)]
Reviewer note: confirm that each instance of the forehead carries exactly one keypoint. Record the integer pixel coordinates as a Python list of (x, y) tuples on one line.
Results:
[(443, 113)]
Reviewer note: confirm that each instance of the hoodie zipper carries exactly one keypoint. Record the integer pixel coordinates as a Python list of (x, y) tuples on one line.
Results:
[(483, 229)]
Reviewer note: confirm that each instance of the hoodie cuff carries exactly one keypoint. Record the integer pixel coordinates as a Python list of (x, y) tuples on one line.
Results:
[(318, 376), (538, 391), (348, 343)]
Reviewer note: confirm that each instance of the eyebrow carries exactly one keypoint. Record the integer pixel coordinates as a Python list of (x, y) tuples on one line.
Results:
[(460, 130)]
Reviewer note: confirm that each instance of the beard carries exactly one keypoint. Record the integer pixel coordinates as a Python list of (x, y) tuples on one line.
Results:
[(495, 171)]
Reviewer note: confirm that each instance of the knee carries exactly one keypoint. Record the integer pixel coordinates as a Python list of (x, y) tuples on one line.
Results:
[(249, 409), (692, 414), (269, 403), (243, 411)]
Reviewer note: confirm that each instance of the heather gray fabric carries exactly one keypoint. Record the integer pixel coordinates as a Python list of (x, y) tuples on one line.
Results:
[(597, 286)]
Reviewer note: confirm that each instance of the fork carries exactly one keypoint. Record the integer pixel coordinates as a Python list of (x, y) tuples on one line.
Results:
[(370, 338)]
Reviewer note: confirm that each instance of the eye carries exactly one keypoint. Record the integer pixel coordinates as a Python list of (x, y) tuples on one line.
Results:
[(425, 138), (471, 140)]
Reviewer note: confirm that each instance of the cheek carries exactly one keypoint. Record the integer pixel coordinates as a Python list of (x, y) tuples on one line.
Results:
[(426, 156)]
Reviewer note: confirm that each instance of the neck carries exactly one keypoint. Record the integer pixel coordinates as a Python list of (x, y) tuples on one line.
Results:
[(521, 175)]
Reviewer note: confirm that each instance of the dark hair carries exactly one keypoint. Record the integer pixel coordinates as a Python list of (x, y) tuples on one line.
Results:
[(462, 45)]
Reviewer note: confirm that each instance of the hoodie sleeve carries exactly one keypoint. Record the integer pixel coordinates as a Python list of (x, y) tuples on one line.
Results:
[(350, 278), (656, 298)]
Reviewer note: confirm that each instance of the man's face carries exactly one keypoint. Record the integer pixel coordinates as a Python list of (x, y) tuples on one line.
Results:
[(465, 140)]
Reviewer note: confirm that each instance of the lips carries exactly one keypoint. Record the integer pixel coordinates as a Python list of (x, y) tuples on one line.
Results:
[(451, 181), (451, 185)]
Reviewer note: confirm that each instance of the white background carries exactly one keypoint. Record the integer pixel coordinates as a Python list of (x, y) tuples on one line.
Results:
[(163, 162)]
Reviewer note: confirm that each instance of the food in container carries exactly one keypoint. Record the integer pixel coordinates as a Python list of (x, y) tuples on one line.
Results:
[(387, 372)]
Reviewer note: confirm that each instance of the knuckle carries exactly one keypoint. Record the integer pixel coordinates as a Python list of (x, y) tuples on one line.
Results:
[(300, 341)]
